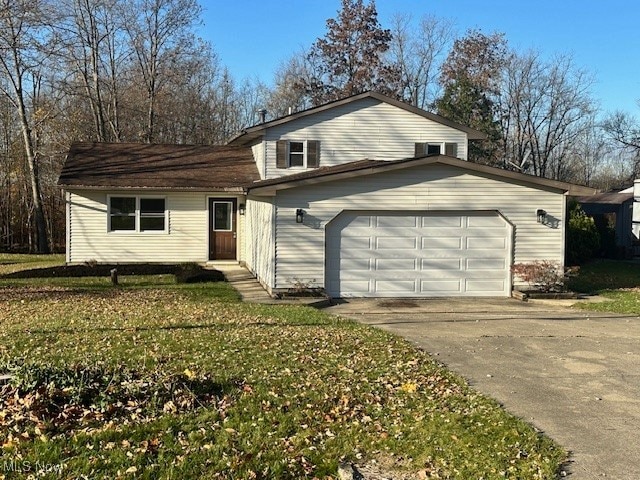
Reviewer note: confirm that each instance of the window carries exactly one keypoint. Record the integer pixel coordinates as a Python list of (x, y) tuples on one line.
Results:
[(435, 148), (137, 214), (152, 214), (222, 216), (297, 153), (122, 213)]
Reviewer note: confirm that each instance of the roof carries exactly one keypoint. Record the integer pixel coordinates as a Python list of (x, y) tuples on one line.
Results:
[(369, 167), (141, 165), (252, 133), (615, 198)]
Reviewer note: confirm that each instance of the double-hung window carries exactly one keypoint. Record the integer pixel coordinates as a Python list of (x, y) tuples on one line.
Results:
[(137, 214), (297, 153)]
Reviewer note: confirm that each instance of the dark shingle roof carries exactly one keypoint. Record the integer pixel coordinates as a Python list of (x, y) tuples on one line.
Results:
[(614, 198), (140, 165)]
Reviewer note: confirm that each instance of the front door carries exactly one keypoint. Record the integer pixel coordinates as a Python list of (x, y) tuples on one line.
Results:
[(222, 229)]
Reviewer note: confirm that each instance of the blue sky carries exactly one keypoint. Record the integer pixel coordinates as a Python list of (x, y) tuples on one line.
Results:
[(253, 37)]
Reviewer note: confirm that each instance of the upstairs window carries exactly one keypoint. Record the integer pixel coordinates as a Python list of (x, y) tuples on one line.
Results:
[(137, 214), (436, 148), (297, 153)]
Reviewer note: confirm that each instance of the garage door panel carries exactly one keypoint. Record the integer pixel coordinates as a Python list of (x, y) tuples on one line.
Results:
[(394, 243), (435, 243), (439, 264), (448, 287), (441, 222), (395, 286), (391, 264), (486, 243), (410, 255), (396, 222)]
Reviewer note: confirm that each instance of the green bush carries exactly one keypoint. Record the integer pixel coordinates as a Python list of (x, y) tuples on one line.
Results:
[(583, 239)]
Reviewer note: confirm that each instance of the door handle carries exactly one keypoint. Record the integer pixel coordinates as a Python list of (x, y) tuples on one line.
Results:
[(235, 235)]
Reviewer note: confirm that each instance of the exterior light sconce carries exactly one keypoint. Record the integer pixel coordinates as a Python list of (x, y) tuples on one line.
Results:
[(241, 208), (542, 215), (299, 215)]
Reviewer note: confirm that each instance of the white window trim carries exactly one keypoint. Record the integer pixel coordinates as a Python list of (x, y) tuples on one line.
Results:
[(304, 154), (442, 146), (137, 216)]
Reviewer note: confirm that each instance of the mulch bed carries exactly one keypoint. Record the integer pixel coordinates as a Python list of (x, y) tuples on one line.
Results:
[(189, 273)]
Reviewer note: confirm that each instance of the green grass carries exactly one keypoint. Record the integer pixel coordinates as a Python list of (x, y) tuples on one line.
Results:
[(14, 262), (617, 281), (300, 390)]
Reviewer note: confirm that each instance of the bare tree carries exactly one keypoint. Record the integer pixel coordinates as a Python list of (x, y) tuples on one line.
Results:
[(419, 54), (624, 129), (161, 37), (22, 42), (544, 108)]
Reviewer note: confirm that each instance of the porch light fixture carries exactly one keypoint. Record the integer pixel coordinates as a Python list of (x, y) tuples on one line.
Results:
[(241, 208), (542, 215), (299, 215)]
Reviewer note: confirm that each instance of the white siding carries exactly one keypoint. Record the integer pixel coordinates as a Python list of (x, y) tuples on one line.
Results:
[(259, 245), (366, 129), (301, 247), (258, 155), (186, 240)]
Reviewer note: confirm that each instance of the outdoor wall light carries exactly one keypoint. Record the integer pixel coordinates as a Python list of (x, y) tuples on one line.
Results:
[(241, 208), (299, 215), (542, 215)]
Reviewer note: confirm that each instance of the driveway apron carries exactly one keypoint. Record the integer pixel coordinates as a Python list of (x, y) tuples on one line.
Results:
[(573, 374)]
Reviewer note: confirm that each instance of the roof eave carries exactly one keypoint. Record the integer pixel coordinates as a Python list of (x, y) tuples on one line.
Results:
[(561, 187), (69, 187)]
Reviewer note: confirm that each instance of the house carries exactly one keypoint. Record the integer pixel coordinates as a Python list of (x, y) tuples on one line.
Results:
[(620, 212), (365, 196)]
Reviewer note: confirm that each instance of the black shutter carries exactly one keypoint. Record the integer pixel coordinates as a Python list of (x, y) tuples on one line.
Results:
[(281, 154), (420, 150), (451, 149), (313, 153)]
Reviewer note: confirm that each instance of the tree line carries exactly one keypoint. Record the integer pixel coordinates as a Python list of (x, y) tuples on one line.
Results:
[(135, 71)]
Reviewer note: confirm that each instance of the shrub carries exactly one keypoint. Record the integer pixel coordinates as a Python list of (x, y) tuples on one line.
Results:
[(583, 239), (544, 275)]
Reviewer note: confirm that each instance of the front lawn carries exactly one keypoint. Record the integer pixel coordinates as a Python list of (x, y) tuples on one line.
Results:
[(183, 381), (617, 281)]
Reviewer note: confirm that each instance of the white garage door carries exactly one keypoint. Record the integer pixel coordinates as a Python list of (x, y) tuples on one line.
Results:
[(388, 254)]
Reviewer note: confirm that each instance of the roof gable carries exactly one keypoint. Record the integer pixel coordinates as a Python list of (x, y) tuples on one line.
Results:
[(140, 165), (252, 133), (369, 167)]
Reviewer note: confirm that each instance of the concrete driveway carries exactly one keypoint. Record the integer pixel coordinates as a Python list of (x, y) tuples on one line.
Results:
[(573, 374)]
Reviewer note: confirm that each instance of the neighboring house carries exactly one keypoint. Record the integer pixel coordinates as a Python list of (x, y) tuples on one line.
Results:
[(620, 210), (365, 196)]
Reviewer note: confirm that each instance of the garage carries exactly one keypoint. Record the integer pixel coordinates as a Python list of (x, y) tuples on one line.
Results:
[(418, 254)]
